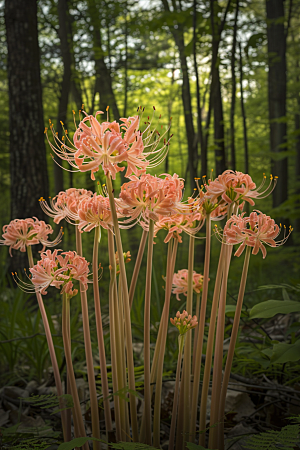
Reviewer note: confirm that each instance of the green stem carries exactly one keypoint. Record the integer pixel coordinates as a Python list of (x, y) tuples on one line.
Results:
[(89, 354), (137, 266), (209, 348), (130, 363), (147, 394), (188, 345), (71, 375), (63, 413), (201, 326), (230, 354), (176, 392), (101, 346)]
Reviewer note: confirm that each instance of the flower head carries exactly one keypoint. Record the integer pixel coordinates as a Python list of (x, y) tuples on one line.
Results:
[(180, 283), (184, 322), (58, 270), (65, 204), (256, 231), (177, 223), (150, 197), (109, 144), (93, 212), (20, 233), (237, 187)]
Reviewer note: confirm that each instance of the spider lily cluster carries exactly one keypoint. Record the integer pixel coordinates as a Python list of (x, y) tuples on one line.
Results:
[(155, 203)]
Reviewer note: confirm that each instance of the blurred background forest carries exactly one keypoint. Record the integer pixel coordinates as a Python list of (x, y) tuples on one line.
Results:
[(227, 72)]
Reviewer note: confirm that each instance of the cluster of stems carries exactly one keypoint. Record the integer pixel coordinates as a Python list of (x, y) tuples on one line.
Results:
[(190, 391)]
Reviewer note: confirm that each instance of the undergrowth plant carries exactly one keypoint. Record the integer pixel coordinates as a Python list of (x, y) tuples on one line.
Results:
[(155, 203)]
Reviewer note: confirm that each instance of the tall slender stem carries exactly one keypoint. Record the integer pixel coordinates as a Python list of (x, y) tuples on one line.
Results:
[(89, 355), (209, 348), (201, 326), (71, 375), (176, 392), (112, 327), (188, 345), (130, 363), (101, 346), (63, 413), (197, 311), (161, 349), (147, 390), (218, 355), (137, 266), (230, 354)]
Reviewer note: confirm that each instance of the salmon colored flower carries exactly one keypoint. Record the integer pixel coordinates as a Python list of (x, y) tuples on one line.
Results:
[(180, 283), (236, 187), (256, 231), (109, 144), (93, 212), (20, 233), (177, 223), (65, 204), (184, 322), (58, 270), (149, 197)]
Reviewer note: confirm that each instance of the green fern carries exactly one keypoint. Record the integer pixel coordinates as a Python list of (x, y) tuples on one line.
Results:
[(50, 401), (285, 439)]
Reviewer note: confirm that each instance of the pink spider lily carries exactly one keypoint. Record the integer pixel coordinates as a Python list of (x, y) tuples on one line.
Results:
[(180, 283), (184, 322), (58, 270), (20, 233), (235, 187), (93, 212), (65, 204), (255, 231), (150, 197), (177, 223), (109, 144)]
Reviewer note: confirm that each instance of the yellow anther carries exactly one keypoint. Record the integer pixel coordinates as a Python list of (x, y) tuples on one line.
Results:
[(62, 124), (82, 106), (107, 108), (73, 111), (66, 131), (46, 129), (276, 177), (56, 133), (49, 120)]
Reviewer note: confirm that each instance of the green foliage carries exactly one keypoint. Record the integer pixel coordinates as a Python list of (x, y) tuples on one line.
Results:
[(285, 439), (272, 307), (283, 353), (33, 439), (50, 401)]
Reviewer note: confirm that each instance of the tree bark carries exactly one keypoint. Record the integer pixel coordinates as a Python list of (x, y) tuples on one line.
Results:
[(297, 130), (178, 35), (216, 95), (233, 83), (244, 114), (28, 166), (277, 96)]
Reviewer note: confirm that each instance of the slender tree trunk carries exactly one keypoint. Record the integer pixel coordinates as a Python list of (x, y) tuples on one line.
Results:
[(277, 96), (297, 130), (199, 112), (216, 95), (233, 83), (103, 78), (244, 114), (186, 98)]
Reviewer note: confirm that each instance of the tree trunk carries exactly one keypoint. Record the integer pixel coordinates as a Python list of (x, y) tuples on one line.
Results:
[(277, 96), (178, 34), (28, 166), (244, 114), (233, 83), (216, 94), (203, 150), (297, 130), (103, 78)]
